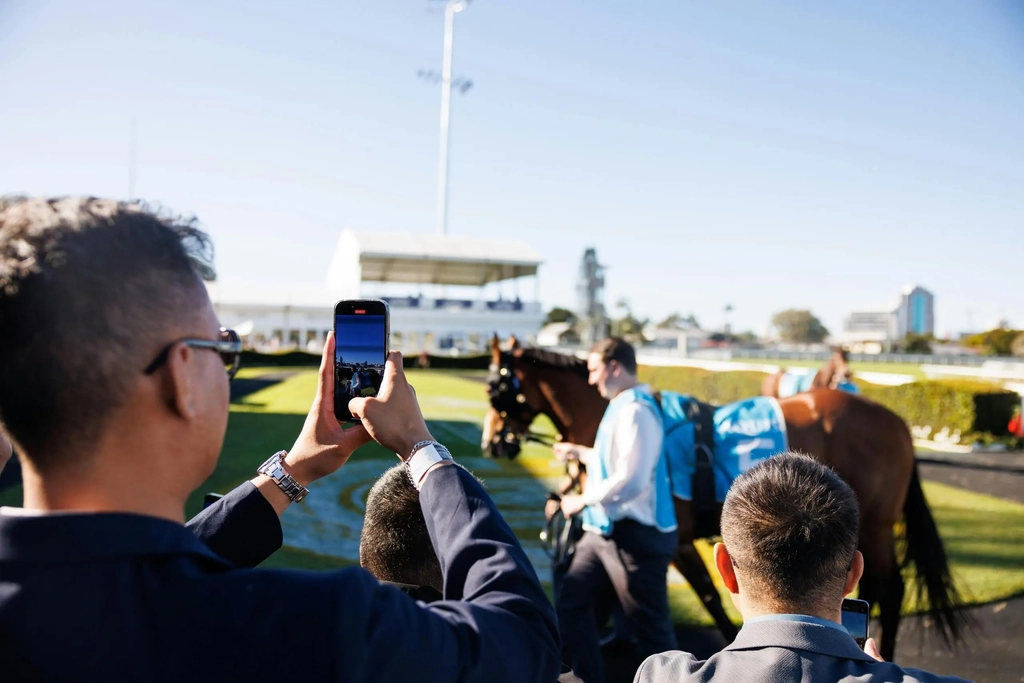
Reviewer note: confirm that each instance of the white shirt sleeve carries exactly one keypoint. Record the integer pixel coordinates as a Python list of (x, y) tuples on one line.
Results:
[(636, 447)]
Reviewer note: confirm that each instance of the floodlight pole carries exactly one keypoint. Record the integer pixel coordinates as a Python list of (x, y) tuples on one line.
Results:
[(450, 9), (132, 145)]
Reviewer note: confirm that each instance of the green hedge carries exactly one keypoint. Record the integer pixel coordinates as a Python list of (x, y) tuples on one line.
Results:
[(714, 387), (480, 362), (972, 408), (254, 359)]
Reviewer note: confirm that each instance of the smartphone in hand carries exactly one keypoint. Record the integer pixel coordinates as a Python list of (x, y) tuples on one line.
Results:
[(361, 333), (856, 614)]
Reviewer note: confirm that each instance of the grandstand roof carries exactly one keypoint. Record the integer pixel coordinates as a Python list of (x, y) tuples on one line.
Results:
[(432, 259)]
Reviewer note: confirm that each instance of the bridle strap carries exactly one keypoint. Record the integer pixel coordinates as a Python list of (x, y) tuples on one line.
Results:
[(542, 439)]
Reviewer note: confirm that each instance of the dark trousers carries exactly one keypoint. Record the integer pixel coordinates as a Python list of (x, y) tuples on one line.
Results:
[(629, 566)]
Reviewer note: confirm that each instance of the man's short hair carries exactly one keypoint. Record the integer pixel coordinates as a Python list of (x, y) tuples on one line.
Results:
[(791, 527), (395, 545), (616, 349), (88, 289)]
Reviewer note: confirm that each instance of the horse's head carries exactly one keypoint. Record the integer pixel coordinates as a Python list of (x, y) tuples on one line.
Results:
[(840, 364), (514, 404)]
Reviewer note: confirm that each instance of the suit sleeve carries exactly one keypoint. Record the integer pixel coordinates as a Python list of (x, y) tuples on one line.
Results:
[(495, 623), (241, 527)]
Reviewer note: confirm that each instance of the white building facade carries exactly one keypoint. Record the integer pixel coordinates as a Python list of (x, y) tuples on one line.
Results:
[(439, 290)]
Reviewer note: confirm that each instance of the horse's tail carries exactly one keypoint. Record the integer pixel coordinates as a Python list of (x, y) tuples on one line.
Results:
[(924, 549)]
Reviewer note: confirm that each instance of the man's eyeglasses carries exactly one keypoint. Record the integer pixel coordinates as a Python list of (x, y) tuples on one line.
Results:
[(229, 346)]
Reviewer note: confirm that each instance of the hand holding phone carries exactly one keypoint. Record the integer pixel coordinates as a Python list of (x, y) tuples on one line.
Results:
[(361, 332), (856, 614), (393, 418)]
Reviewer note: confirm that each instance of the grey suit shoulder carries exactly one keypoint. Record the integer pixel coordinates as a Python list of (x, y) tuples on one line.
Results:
[(783, 651)]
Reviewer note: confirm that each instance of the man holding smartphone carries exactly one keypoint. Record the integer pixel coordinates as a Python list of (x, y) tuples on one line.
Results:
[(118, 408), (788, 556)]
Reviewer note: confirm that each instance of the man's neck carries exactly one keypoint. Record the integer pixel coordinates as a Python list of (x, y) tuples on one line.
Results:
[(751, 611), (627, 384), (95, 490)]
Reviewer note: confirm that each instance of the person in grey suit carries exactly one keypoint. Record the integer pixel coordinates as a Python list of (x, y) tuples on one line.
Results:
[(788, 556)]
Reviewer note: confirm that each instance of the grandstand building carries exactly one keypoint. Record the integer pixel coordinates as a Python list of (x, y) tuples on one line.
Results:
[(445, 294)]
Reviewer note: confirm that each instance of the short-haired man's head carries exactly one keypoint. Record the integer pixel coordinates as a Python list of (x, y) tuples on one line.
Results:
[(88, 289), (618, 350), (790, 525), (395, 545)]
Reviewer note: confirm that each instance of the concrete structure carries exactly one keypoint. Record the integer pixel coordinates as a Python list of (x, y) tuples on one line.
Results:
[(435, 286), (590, 310), (869, 331), (557, 334)]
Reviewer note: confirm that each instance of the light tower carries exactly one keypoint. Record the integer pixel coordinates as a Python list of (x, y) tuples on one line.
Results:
[(452, 7), (591, 313)]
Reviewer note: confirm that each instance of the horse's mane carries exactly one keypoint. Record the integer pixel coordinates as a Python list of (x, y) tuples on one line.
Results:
[(555, 360)]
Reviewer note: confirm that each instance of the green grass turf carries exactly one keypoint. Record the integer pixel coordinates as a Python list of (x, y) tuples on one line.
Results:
[(984, 536)]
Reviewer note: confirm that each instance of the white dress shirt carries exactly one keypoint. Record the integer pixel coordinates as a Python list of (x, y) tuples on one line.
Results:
[(628, 491)]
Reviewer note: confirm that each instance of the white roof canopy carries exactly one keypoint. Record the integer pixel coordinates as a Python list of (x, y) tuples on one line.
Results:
[(431, 259)]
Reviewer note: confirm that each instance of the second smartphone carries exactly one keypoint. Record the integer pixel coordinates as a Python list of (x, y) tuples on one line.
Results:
[(361, 333), (856, 614)]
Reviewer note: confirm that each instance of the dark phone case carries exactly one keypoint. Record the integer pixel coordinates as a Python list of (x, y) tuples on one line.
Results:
[(859, 607)]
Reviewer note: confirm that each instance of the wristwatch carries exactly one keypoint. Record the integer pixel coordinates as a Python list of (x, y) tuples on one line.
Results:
[(274, 468), (423, 456)]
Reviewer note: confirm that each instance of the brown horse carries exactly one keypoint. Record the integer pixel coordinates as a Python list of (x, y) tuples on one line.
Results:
[(835, 372), (865, 443)]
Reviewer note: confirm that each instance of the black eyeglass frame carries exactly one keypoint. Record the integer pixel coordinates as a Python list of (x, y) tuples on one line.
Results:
[(229, 347)]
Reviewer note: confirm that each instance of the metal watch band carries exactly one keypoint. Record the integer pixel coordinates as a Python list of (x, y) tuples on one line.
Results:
[(418, 445), (425, 455), (274, 469)]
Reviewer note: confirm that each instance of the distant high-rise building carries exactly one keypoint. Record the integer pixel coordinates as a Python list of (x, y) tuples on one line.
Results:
[(913, 314), (916, 312)]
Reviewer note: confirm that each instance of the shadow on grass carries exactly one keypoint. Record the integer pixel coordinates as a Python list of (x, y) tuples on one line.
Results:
[(242, 387), (324, 529)]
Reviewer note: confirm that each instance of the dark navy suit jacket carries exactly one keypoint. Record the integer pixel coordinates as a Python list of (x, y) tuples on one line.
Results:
[(121, 597)]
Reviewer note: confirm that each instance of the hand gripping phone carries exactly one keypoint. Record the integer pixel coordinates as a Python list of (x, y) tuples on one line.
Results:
[(361, 332), (856, 614)]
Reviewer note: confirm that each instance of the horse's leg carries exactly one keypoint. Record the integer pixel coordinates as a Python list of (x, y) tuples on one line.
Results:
[(689, 563), (882, 583)]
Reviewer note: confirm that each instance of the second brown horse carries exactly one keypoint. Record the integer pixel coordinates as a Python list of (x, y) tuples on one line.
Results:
[(835, 372)]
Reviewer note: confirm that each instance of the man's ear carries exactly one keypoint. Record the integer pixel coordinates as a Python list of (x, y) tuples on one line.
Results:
[(726, 569), (180, 388), (856, 571)]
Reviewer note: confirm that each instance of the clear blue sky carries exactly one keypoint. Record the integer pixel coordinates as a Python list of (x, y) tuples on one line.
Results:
[(360, 339), (769, 155)]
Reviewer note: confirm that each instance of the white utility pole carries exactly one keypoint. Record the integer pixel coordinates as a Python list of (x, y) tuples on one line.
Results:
[(450, 10)]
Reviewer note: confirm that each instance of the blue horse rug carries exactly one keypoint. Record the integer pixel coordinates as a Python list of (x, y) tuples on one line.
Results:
[(797, 381), (745, 432)]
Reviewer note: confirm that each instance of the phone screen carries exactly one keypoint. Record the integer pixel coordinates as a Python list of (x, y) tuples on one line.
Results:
[(855, 619), (361, 347)]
